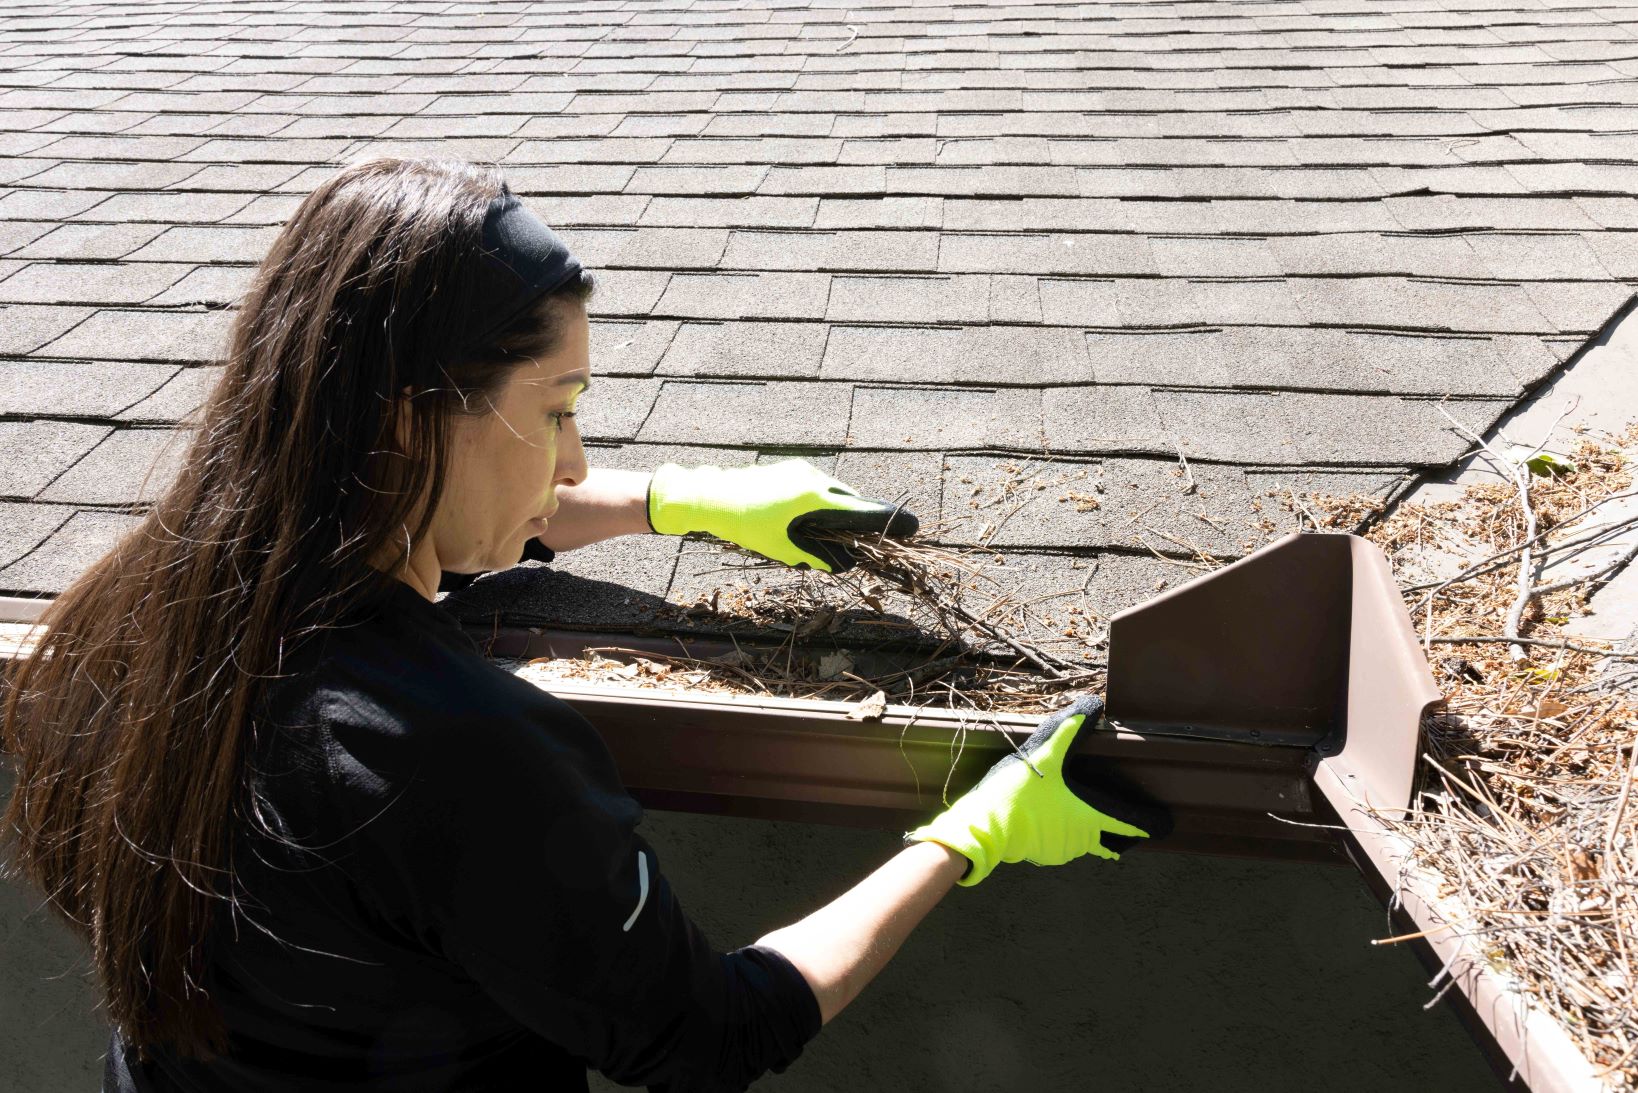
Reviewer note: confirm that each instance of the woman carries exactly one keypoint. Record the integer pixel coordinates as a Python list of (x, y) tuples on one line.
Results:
[(314, 840)]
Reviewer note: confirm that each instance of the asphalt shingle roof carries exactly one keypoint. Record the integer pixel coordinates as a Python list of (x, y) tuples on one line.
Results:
[(911, 241)]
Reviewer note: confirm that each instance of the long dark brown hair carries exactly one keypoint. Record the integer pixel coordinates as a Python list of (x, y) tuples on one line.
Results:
[(130, 724)]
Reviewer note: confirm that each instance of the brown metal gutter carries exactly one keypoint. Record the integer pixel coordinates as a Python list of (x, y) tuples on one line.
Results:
[(793, 759)]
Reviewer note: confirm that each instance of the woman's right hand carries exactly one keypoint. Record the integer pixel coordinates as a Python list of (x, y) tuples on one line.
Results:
[(1024, 809)]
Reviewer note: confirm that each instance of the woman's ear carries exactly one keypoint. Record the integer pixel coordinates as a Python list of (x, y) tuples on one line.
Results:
[(401, 417)]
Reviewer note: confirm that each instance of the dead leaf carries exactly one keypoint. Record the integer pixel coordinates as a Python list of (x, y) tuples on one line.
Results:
[(869, 709), (832, 665), (815, 622), (1550, 707)]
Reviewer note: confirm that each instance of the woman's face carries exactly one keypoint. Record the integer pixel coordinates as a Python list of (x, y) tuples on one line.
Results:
[(506, 465)]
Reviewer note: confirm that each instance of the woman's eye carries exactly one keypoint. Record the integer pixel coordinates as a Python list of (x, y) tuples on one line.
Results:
[(560, 416)]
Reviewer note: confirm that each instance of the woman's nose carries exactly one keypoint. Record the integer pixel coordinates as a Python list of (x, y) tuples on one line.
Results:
[(571, 459)]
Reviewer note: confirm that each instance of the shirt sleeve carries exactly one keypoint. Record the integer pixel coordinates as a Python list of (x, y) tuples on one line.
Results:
[(524, 867)]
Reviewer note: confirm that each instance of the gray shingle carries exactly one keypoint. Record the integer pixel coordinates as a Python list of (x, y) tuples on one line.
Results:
[(89, 282), (628, 292), (990, 355), (131, 465), (896, 251), (746, 295), (659, 125), (1014, 299), (804, 414), (629, 348), (49, 204), (258, 178), (181, 336), (588, 150), (568, 125), (1510, 257), (1102, 419), (1443, 212), (111, 176), (769, 125), (1351, 360), (767, 149), (912, 479), (168, 208), (268, 209), (694, 181), (215, 244), (1578, 307), (1082, 301), (785, 350), (889, 151), (26, 327), (66, 553), (24, 527), (76, 389), (616, 408), (968, 181), (16, 234), (1419, 304), (950, 298), (1604, 212), (1138, 504), (1163, 357), (1183, 256), (1095, 254), (1378, 253), (33, 453), (1617, 252), (509, 103), (944, 419), (207, 286), (114, 147), (1297, 428), (664, 248), (825, 181), (177, 400), (880, 212), (730, 212), (572, 178), (615, 209), (88, 241)]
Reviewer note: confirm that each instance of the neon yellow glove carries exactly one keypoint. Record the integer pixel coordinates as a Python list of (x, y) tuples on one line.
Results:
[(1016, 814), (769, 509)]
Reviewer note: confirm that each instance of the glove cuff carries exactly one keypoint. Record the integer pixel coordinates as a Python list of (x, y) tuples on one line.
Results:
[(952, 831), (678, 498)]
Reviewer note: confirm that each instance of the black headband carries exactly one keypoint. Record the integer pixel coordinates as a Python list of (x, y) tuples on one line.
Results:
[(523, 259)]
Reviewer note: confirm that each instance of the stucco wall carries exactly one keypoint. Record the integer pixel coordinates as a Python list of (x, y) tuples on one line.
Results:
[(1160, 972)]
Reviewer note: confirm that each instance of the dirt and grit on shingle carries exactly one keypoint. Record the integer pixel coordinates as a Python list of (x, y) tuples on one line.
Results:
[(1173, 253)]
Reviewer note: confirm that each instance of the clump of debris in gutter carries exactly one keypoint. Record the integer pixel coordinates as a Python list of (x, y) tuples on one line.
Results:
[(944, 626), (1525, 813)]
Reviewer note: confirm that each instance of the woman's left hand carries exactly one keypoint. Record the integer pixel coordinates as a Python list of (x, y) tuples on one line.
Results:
[(770, 509)]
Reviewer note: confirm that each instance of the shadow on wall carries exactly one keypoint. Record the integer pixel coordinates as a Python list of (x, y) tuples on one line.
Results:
[(1161, 972), (50, 1037)]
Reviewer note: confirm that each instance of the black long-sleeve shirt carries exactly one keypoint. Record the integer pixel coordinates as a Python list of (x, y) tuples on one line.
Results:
[(459, 899)]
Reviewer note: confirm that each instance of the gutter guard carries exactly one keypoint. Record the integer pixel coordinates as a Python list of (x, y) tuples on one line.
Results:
[(1308, 641)]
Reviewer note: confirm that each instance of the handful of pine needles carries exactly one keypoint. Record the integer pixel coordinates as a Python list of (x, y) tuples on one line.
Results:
[(941, 615)]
